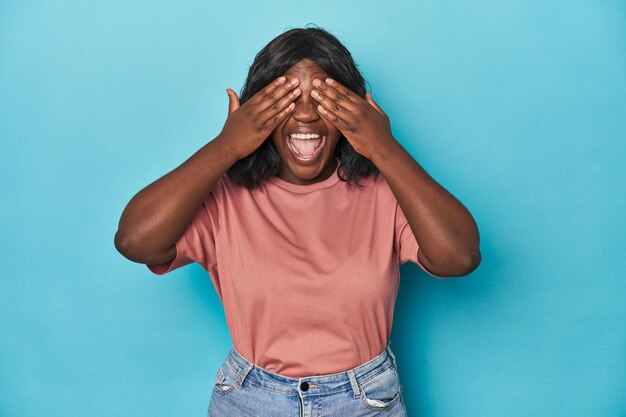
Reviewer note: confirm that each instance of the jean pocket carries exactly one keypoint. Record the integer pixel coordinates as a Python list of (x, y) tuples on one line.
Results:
[(226, 379), (382, 391)]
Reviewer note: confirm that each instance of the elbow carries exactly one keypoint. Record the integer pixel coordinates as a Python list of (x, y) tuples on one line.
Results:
[(124, 245), (472, 261), (468, 264), (142, 250), (121, 243), (461, 267)]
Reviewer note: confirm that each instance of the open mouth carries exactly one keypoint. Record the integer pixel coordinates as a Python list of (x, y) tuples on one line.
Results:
[(306, 146)]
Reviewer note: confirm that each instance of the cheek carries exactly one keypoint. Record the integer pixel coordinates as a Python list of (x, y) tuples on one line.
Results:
[(332, 129), (336, 133), (275, 138), (277, 134)]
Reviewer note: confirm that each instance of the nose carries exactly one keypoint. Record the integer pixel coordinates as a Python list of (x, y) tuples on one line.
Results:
[(305, 108)]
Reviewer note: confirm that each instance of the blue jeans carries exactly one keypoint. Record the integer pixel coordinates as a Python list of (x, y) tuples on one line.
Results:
[(242, 389)]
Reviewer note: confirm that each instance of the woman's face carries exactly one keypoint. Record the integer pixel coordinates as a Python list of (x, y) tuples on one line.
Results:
[(316, 161)]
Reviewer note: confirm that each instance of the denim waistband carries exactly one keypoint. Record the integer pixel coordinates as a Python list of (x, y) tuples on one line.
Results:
[(315, 384)]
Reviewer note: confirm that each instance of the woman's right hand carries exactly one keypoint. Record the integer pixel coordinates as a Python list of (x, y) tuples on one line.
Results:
[(248, 126)]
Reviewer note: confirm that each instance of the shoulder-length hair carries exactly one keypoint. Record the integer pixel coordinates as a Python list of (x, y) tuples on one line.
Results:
[(271, 62)]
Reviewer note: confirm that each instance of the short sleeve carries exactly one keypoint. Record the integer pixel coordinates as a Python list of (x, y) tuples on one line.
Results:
[(406, 245), (197, 243)]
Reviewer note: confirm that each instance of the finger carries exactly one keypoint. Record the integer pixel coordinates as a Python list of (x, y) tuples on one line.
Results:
[(274, 91), (332, 117), (233, 100), (371, 101), (332, 106), (271, 100), (352, 96), (268, 89), (279, 105), (335, 95), (279, 117)]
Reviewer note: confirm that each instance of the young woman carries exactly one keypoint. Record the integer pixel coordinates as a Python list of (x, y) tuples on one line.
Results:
[(301, 235)]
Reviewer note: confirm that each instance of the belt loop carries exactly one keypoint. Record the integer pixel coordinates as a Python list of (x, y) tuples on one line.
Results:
[(241, 365), (353, 382), (393, 357), (245, 370)]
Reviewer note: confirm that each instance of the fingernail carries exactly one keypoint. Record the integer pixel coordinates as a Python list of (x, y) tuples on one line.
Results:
[(294, 81), (281, 80), (317, 82), (330, 81)]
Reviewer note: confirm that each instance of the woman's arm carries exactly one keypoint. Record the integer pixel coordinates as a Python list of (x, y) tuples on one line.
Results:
[(158, 215), (444, 229)]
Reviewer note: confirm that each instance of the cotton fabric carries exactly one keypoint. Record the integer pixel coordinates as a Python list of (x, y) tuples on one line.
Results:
[(305, 273)]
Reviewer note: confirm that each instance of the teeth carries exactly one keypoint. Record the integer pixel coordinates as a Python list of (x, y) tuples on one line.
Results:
[(304, 136)]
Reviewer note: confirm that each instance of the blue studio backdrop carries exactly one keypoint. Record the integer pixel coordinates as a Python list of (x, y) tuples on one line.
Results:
[(518, 108)]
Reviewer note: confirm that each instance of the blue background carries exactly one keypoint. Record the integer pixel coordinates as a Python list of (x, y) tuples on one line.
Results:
[(516, 107)]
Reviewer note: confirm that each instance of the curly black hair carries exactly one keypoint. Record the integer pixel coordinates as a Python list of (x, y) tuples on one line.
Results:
[(273, 60)]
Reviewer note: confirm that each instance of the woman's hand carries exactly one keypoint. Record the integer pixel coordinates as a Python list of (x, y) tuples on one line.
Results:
[(248, 126), (364, 124)]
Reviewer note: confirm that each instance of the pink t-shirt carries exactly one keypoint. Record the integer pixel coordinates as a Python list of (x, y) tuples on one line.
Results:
[(307, 274)]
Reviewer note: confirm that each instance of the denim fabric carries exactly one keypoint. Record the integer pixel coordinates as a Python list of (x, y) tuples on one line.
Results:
[(242, 389)]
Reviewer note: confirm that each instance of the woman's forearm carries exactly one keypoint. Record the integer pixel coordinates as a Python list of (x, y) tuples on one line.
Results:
[(156, 217), (445, 230)]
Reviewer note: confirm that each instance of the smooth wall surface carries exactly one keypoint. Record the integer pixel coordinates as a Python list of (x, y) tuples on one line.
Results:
[(518, 108)]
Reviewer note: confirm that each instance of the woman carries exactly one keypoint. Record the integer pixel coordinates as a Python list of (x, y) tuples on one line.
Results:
[(301, 235)]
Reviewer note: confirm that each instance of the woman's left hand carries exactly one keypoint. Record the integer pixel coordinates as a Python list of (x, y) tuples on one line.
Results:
[(364, 124)]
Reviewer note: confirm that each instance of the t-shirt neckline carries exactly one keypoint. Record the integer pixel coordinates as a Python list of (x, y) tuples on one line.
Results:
[(301, 188)]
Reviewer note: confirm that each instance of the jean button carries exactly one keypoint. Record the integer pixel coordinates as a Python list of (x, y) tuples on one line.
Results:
[(304, 386)]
